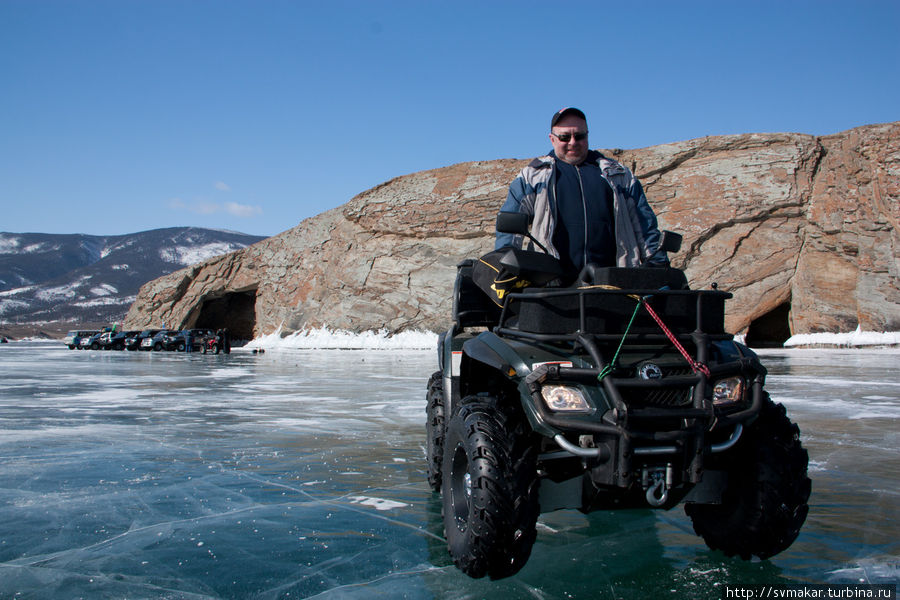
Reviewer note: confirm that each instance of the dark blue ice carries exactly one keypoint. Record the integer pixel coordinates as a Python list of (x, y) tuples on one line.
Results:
[(300, 473)]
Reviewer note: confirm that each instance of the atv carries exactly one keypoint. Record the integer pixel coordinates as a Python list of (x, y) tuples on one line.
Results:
[(620, 390)]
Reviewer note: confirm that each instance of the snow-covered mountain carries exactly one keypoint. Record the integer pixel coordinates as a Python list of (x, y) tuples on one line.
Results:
[(89, 278)]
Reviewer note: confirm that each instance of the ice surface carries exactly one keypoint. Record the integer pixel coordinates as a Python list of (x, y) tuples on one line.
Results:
[(300, 473)]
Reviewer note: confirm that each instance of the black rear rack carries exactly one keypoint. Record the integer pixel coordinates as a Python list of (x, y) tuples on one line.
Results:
[(562, 315)]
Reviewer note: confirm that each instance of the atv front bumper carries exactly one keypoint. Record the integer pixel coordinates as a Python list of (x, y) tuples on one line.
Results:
[(625, 438)]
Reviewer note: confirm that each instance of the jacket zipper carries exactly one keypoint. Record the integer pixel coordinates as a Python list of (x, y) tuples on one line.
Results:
[(584, 213)]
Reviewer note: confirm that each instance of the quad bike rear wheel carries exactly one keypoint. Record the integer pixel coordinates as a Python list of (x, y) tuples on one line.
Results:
[(490, 488), (764, 503), (434, 429)]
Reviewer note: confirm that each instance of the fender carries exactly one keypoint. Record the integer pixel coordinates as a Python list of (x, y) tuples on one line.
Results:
[(487, 356), (493, 351), (478, 350)]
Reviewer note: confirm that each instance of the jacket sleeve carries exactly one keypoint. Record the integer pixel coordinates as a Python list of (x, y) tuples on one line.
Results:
[(649, 226), (517, 200)]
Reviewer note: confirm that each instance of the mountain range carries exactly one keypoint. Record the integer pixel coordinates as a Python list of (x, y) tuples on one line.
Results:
[(78, 278)]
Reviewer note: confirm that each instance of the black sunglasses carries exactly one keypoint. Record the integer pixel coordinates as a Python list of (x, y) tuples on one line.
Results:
[(565, 137)]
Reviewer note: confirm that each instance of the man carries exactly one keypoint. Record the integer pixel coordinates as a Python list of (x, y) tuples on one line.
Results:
[(585, 207)]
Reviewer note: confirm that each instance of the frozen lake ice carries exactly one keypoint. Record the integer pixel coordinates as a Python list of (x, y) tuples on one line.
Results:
[(300, 473)]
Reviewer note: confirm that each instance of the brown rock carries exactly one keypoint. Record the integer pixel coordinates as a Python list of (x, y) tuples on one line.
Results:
[(783, 221)]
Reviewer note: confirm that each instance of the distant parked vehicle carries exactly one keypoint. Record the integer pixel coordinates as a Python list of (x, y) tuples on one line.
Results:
[(199, 337), (220, 341), (85, 341), (159, 341), (175, 340), (135, 342), (115, 340), (73, 338), (94, 341)]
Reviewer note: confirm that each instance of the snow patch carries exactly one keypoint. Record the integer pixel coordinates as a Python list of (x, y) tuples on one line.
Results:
[(376, 503), (62, 292), (104, 289), (855, 338), (8, 305), (9, 245), (105, 301), (195, 254), (325, 338), (20, 290)]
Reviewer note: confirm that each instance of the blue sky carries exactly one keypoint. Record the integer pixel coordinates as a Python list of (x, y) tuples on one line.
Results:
[(125, 115)]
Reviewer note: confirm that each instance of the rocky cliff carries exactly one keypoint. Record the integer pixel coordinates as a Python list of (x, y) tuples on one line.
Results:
[(803, 230)]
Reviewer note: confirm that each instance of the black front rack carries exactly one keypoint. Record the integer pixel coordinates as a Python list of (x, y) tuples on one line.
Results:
[(600, 318)]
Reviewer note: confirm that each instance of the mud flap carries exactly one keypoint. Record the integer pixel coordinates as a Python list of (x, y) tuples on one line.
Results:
[(710, 488), (554, 495)]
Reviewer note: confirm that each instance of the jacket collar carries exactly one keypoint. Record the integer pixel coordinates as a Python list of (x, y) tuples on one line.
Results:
[(593, 157)]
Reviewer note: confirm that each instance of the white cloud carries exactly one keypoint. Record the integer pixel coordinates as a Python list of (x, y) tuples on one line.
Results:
[(242, 210), (205, 207), (222, 186), (202, 207)]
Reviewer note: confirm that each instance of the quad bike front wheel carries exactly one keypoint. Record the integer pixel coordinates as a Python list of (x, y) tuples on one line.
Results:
[(490, 488), (434, 429), (764, 503)]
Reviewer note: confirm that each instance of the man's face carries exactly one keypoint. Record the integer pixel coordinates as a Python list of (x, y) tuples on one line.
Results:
[(573, 151)]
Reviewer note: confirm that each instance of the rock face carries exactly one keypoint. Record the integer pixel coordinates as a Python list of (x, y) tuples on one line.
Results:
[(803, 230)]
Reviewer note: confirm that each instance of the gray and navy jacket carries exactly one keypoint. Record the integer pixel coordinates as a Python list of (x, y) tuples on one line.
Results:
[(534, 192)]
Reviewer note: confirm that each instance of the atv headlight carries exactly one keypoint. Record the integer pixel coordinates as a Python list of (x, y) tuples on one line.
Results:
[(561, 398), (728, 391)]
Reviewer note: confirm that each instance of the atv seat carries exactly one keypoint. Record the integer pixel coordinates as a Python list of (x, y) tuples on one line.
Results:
[(471, 306)]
